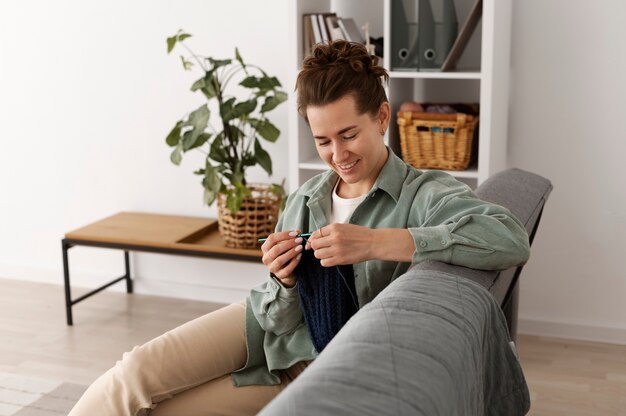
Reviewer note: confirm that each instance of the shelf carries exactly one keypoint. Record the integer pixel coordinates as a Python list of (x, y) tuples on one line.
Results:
[(483, 77), (435, 75), (316, 164)]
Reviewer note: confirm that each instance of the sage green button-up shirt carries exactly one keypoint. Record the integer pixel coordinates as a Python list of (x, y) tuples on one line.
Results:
[(448, 223)]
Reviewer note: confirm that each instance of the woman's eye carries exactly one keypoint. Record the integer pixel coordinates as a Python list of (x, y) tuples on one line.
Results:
[(322, 143), (349, 137)]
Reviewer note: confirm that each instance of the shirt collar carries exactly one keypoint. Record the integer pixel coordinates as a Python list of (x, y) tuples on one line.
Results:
[(391, 177)]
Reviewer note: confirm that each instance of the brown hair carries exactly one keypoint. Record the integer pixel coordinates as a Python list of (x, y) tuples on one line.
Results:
[(336, 69)]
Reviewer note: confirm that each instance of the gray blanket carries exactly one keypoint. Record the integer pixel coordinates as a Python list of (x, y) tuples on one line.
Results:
[(430, 344)]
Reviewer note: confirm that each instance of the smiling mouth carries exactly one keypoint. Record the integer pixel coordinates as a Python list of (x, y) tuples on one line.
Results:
[(347, 166)]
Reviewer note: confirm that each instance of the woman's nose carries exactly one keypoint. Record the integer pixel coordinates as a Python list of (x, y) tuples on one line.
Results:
[(340, 152)]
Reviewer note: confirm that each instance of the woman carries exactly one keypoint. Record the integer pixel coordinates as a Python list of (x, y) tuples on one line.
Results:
[(370, 210)]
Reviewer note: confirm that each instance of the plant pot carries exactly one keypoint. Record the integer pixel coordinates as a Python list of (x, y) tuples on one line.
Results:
[(256, 219)]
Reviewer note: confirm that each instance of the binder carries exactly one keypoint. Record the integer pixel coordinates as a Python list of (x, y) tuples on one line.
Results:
[(422, 33)]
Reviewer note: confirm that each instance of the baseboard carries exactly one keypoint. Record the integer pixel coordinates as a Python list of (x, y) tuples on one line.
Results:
[(191, 291), (568, 330)]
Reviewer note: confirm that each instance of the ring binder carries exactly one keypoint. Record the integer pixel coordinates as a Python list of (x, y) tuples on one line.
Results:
[(422, 33)]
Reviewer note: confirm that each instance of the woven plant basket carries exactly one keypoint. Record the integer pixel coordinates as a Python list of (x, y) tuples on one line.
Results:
[(256, 219), (436, 141)]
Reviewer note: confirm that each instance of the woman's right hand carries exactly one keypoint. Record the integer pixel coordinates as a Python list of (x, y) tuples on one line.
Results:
[(281, 254)]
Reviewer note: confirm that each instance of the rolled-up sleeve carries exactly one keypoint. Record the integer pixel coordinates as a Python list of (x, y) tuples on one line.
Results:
[(276, 308), (458, 228)]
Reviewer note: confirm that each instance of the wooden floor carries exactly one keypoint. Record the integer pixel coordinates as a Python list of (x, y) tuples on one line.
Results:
[(564, 377)]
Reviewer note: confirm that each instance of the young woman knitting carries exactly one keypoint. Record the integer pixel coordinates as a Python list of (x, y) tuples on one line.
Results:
[(370, 215)]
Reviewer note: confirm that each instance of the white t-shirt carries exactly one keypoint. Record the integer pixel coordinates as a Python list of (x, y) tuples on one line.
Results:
[(342, 208)]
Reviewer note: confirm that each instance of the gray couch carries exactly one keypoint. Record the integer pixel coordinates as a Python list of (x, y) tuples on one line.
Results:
[(436, 341)]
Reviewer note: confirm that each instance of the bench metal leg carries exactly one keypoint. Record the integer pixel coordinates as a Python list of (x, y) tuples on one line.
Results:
[(129, 280), (66, 274), (68, 292)]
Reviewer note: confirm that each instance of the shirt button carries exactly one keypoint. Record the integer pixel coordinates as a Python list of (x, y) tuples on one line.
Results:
[(423, 244), (444, 242)]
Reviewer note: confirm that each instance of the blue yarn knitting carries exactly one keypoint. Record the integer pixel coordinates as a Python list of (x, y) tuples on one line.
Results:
[(327, 297)]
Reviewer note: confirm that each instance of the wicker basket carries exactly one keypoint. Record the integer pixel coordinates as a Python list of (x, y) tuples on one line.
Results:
[(436, 141), (256, 219)]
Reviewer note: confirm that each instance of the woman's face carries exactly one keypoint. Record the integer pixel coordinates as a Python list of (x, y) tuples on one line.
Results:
[(350, 143)]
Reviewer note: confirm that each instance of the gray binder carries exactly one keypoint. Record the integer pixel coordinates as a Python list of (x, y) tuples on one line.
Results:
[(422, 33)]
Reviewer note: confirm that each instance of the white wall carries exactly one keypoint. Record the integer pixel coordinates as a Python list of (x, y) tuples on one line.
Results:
[(568, 97), (87, 94)]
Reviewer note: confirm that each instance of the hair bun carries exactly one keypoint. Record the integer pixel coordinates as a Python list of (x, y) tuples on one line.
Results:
[(342, 52), (338, 68)]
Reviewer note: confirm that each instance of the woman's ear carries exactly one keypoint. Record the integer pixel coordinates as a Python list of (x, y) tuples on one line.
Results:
[(384, 115)]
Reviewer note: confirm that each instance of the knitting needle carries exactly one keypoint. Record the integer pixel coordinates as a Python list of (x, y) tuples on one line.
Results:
[(306, 235)]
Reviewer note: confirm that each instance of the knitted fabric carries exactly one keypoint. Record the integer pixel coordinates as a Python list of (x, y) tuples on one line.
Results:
[(327, 297)]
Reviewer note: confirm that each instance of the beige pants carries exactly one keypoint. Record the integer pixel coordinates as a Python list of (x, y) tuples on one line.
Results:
[(185, 371)]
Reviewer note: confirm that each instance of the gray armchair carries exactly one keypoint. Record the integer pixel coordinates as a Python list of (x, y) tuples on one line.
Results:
[(436, 341)]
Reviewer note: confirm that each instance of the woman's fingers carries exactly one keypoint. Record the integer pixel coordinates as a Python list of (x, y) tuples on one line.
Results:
[(282, 265), (342, 244), (277, 237), (278, 243), (291, 266), (280, 251), (316, 238)]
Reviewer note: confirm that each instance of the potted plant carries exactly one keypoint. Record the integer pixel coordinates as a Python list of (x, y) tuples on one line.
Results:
[(246, 211)]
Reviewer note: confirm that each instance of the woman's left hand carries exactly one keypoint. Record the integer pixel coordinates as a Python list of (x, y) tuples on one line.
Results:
[(337, 244)]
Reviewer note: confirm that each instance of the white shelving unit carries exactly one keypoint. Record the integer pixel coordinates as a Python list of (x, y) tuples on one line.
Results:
[(483, 77)]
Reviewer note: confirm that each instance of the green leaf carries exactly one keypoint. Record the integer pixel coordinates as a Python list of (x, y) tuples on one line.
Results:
[(209, 89), (238, 174), (235, 196), (274, 81), (178, 37), (201, 83), (250, 82), (226, 110), (269, 104), (281, 96), (171, 42), (268, 83), (235, 133), (173, 138), (238, 57), (264, 84), (198, 120), (212, 184), (248, 159), (244, 108), (267, 130), (202, 139), (186, 64), (219, 62), (262, 157), (217, 152), (177, 155), (233, 203), (278, 189), (234, 200), (272, 102)]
